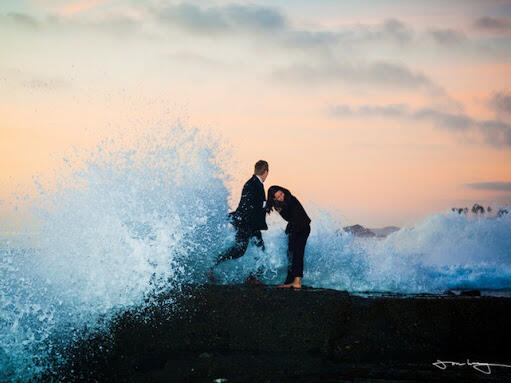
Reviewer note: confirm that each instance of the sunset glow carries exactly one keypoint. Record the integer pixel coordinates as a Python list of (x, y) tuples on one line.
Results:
[(385, 112)]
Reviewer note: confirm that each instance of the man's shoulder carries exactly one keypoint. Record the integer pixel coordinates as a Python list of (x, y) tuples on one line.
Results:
[(249, 185), (251, 181)]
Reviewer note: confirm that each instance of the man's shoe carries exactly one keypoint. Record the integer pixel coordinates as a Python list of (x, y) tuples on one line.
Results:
[(251, 280), (211, 276)]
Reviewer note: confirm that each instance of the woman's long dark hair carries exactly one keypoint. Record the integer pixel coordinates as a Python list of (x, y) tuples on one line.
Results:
[(270, 203)]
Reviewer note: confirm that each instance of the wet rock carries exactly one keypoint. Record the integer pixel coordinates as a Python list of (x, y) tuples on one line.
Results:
[(278, 335)]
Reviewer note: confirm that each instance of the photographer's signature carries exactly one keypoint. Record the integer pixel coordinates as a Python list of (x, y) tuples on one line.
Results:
[(483, 367)]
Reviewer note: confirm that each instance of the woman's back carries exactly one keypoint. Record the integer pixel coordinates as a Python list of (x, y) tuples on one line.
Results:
[(293, 212)]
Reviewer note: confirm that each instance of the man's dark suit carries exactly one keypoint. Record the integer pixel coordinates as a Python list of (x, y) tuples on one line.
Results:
[(248, 219)]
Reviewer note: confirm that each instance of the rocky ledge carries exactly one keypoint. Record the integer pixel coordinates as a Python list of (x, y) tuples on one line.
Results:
[(264, 334)]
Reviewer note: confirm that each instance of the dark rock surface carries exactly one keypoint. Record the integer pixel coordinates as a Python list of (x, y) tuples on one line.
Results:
[(265, 334)]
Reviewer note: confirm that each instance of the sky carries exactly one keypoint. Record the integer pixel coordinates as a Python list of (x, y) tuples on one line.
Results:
[(380, 111)]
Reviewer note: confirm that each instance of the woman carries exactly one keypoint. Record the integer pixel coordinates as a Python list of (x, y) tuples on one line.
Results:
[(297, 229)]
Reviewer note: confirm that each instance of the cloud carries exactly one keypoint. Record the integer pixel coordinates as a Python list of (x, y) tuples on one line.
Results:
[(228, 20), (497, 133), (397, 30), (293, 54), (386, 74), (262, 24), (221, 19), (501, 102), (21, 19), (493, 24), (308, 39), (391, 30), (258, 20), (494, 132), (391, 110), (447, 121), (262, 19), (495, 186), (447, 36), (442, 120)]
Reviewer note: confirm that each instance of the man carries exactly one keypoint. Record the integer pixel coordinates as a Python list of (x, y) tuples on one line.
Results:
[(249, 218)]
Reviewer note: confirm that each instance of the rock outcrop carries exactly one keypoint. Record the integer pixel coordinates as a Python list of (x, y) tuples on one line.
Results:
[(265, 334), (364, 232), (359, 231), (385, 231)]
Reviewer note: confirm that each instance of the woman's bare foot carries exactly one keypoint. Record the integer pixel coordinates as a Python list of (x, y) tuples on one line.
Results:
[(296, 284)]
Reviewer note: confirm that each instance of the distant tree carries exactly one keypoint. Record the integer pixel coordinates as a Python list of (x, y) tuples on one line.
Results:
[(502, 212), (477, 209)]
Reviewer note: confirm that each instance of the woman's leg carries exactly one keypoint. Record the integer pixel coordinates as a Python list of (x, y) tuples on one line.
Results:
[(290, 244), (297, 242), (298, 254)]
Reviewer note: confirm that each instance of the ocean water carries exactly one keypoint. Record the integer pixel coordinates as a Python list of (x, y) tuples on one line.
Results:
[(130, 219)]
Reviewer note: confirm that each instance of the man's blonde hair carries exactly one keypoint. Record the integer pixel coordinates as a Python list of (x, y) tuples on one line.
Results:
[(260, 167)]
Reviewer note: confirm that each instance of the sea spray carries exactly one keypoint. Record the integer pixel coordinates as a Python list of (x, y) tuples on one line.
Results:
[(453, 251), (135, 217), (130, 219)]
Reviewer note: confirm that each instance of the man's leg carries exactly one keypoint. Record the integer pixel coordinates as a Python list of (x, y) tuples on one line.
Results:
[(253, 278), (238, 249), (258, 239)]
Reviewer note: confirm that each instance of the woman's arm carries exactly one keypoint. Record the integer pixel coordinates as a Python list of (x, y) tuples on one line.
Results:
[(284, 213)]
